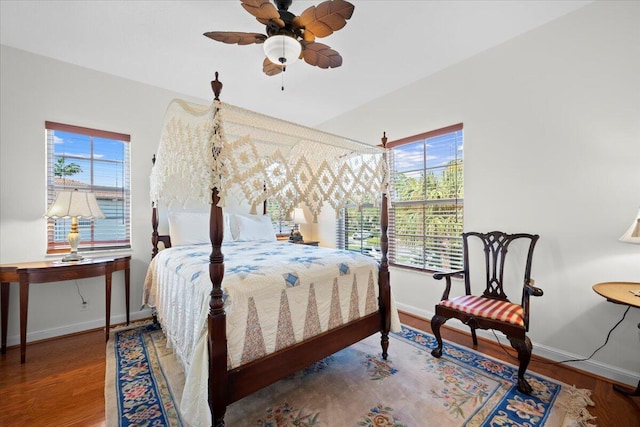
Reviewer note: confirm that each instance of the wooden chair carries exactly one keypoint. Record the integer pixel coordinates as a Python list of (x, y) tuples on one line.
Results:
[(492, 309)]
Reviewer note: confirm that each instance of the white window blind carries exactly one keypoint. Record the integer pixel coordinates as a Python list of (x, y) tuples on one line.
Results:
[(427, 194), (279, 221), (359, 230)]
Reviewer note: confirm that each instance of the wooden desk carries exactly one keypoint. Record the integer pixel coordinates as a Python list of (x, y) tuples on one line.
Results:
[(619, 293), (55, 271)]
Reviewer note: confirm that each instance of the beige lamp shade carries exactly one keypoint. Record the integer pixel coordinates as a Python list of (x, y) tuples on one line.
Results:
[(298, 216), (74, 204), (632, 235), (78, 204)]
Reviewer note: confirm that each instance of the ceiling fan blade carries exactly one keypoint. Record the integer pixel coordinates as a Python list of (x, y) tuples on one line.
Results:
[(307, 36), (322, 20), (321, 55), (264, 11), (234, 37), (271, 69)]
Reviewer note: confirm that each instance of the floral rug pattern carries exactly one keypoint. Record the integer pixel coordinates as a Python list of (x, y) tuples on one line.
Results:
[(285, 415), (462, 385), (411, 388), (380, 416), (145, 399)]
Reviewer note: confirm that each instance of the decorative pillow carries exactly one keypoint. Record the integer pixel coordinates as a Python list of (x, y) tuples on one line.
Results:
[(192, 228), (252, 227)]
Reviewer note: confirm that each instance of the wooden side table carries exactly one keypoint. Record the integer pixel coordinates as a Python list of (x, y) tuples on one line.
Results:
[(55, 271), (620, 293), (307, 242)]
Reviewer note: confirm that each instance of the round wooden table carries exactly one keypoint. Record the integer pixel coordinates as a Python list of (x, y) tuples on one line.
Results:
[(621, 293)]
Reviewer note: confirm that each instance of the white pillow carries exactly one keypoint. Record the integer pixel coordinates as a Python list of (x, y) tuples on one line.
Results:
[(252, 227), (192, 228)]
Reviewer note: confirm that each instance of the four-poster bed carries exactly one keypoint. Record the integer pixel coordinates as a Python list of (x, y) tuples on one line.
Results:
[(210, 151)]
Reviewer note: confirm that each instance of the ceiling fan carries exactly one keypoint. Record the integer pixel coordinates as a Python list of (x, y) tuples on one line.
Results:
[(290, 37)]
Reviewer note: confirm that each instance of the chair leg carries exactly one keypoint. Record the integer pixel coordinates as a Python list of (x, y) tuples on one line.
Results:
[(436, 322), (474, 336), (523, 347)]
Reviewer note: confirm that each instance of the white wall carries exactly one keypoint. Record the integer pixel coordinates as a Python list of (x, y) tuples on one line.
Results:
[(552, 146), (34, 89)]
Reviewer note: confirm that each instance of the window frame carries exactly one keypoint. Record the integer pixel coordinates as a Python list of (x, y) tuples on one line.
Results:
[(88, 225), (455, 256)]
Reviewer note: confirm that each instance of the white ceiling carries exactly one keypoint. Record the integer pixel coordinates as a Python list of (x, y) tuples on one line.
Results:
[(386, 45)]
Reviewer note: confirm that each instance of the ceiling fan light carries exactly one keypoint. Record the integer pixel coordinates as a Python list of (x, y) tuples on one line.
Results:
[(282, 50)]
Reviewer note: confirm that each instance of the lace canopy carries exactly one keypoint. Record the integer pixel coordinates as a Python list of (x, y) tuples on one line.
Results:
[(223, 146)]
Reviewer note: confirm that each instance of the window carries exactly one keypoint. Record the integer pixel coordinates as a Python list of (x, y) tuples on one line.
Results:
[(426, 200), (281, 225), (359, 230), (425, 205), (90, 160)]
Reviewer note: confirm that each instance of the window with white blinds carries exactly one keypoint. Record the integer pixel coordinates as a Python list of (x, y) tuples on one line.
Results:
[(359, 230), (96, 161), (279, 221), (426, 200)]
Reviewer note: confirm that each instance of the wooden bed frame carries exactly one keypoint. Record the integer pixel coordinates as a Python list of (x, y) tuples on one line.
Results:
[(228, 386)]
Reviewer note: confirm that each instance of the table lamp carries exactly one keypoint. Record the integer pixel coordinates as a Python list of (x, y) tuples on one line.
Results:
[(633, 233), (74, 204), (298, 218)]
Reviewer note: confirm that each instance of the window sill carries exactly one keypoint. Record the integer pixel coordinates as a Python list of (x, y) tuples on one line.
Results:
[(100, 253), (421, 270)]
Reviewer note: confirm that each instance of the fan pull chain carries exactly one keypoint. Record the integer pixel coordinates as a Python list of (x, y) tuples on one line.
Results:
[(284, 68)]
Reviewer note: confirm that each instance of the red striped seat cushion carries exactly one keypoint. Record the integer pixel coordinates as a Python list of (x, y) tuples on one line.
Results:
[(488, 308)]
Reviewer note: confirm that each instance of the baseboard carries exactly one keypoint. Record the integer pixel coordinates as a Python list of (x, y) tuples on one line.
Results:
[(589, 367), (76, 327)]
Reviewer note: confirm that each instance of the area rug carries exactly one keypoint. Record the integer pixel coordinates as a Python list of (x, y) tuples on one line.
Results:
[(353, 387)]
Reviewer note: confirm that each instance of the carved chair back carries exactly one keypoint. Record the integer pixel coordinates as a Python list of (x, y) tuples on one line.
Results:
[(496, 246)]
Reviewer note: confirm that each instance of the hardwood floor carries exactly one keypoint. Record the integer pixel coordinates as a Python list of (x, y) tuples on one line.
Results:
[(62, 383)]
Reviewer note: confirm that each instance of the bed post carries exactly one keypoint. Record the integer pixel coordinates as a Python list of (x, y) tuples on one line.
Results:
[(154, 221), (264, 204), (154, 233), (383, 278), (217, 325), (156, 238)]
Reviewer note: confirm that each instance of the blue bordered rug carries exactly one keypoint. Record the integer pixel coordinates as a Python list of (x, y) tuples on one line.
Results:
[(137, 390), (353, 387)]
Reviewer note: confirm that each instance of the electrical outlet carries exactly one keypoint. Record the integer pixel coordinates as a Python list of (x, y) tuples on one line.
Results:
[(85, 305)]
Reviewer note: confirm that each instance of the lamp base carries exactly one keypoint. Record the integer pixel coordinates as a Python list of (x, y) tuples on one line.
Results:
[(296, 237), (74, 239), (73, 256)]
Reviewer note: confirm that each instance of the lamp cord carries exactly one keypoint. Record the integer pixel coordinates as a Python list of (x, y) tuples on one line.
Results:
[(78, 289), (569, 360)]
